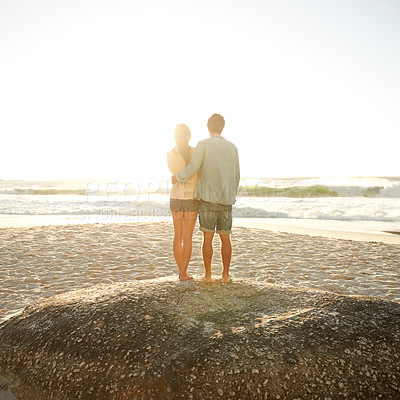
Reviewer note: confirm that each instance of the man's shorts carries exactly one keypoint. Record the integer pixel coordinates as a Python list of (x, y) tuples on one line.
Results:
[(183, 205), (215, 218)]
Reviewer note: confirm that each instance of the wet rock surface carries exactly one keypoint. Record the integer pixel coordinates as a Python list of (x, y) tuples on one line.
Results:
[(163, 339)]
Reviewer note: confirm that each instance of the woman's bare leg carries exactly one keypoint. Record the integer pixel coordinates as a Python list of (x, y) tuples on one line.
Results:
[(189, 218), (177, 216)]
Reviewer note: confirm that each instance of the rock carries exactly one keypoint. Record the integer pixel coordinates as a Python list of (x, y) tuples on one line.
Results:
[(163, 339)]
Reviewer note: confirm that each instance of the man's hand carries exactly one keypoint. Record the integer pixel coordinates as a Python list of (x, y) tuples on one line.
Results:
[(173, 179)]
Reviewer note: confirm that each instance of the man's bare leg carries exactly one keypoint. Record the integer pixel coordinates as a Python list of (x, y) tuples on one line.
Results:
[(226, 254), (189, 218), (207, 254), (178, 230)]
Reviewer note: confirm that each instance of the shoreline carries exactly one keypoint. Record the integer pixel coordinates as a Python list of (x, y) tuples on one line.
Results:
[(358, 235), (345, 230)]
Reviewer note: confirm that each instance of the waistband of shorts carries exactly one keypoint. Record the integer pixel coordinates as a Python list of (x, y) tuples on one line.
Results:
[(214, 204)]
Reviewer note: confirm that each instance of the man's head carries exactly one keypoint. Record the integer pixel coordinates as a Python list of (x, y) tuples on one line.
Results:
[(216, 123)]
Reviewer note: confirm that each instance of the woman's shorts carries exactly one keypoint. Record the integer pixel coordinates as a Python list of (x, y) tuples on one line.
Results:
[(183, 205)]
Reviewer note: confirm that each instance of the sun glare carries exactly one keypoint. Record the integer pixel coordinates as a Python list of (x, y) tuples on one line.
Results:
[(97, 93)]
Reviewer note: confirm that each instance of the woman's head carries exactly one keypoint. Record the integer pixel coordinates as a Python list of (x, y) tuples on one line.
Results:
[(182, 134), (182, 137)]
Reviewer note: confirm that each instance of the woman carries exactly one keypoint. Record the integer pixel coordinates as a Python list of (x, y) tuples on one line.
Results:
[(182, 203)]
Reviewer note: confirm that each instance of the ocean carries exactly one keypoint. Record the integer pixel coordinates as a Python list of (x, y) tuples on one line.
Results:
[(367, 204)]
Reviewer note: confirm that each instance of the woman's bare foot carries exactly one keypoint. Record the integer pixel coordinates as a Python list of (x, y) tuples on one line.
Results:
[(185, 277), (226, 278), (206, 279)]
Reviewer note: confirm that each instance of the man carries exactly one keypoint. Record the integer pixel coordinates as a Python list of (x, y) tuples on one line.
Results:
[(218, 162)]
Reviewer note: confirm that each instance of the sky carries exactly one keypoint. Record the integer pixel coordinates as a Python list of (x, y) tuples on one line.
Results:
[(94, 89)]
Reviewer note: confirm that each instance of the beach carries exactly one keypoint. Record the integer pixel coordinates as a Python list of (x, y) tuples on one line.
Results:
[(41, 261)]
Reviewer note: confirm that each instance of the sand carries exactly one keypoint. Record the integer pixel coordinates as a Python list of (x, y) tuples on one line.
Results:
[(353, 230), (39, 262)]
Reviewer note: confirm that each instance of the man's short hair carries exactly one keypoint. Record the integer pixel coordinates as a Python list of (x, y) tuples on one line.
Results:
[(216, 123)]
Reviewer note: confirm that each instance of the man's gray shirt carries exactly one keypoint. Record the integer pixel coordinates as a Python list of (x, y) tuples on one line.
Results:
[(218, 161)]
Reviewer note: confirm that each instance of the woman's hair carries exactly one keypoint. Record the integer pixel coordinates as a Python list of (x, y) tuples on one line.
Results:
[(182, 136)]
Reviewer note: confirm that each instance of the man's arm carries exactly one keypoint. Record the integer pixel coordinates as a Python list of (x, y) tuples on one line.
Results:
[(195, 163), (237, 170)]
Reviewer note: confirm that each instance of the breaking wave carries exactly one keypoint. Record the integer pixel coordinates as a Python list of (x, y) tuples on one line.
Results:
[(305, 192)]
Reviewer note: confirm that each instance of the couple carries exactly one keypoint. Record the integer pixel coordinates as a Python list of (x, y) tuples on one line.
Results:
[(205, 182)]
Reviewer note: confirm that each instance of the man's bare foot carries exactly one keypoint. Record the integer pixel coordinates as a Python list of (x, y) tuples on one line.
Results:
[(226, 278), (185, 277), (206, 279)]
